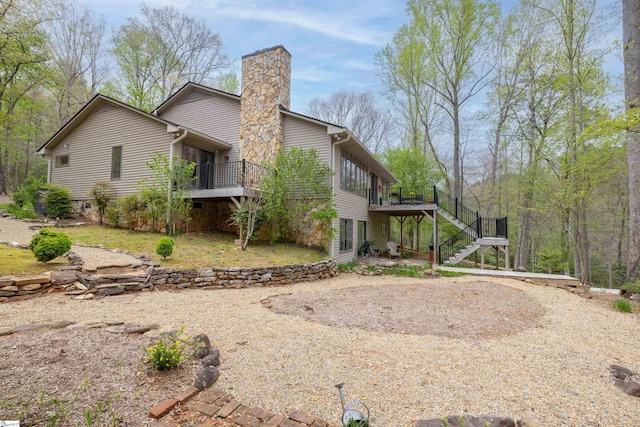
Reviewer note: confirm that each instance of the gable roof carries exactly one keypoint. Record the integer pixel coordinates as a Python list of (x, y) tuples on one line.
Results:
[(353, 144), (96, 102), (185, 90)]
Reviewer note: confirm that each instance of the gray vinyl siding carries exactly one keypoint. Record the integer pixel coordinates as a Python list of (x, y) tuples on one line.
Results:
[(214, 115), (304, 134), (349, 206), (89, 148)]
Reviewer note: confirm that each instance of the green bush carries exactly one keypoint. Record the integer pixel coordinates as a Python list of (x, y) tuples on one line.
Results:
[(19, 212), (101, 193), (57, 202), (166, 353), (632, 288), (130, 208), (112, 215), (28, 193), (48, 244), (165, 247), (623, 305)]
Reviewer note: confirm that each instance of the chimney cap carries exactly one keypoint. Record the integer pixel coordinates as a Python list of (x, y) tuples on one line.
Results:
[(257, 52)]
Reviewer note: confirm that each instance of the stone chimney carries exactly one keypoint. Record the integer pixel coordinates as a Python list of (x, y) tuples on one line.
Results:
[(266, 80)]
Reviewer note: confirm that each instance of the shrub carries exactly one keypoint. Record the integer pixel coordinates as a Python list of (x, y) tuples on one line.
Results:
[(632, 288), (48, 244), (130, 208), (623, 305), (28, 193), (101, 193), (166, 353), (165, 247), (19, 212), (57, 202)]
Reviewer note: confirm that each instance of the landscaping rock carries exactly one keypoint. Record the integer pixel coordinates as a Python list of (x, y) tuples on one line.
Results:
[(117, 329), (203, 345), (6, 331), (631, 388), (84, 297), (620, 372), (61, 278), (469, 421), (61, 324), (527, 423), (212, 359), (111, 289), (207, 376), (30, 327)]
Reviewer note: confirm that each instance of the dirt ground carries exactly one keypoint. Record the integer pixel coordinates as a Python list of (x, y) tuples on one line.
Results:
[(467, 310)]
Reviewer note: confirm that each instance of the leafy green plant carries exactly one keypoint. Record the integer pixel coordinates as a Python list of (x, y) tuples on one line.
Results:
[(632, 288), (347, 267), (622, 304), (101, 193), (445, 273), (19, 212), (57, 201), (47, 245), (357, 423), (130, 208), (112, 215), (168, 352), (365, 248), (165, 247), (28, 193)]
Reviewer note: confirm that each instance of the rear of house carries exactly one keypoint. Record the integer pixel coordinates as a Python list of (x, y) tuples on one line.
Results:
[(228, 137)]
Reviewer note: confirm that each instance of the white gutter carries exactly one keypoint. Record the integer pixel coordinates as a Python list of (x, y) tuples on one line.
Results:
[(170, 186), (333, 171)]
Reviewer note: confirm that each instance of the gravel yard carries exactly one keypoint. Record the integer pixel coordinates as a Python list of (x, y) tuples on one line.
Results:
[(553, 371)]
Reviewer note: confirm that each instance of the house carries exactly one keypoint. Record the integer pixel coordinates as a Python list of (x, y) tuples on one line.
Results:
[(228, 137)]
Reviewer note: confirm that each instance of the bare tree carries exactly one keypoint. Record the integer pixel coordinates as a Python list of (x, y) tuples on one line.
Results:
[(163, 50), (359, 113), (631, 38), (79, 60)]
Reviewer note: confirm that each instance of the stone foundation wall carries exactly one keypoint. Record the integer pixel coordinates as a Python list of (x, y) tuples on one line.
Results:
[(212, 216)]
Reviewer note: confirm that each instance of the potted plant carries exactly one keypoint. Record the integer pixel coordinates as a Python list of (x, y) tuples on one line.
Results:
[(366, 247)]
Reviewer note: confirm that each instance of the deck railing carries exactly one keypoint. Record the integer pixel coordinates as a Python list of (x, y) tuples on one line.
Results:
[(228, 174)]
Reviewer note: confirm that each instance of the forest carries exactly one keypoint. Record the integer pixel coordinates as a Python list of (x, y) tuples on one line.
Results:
[(513, 112)]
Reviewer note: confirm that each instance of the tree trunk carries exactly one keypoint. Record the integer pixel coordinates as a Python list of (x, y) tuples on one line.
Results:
[(457, 184), (631, 44)]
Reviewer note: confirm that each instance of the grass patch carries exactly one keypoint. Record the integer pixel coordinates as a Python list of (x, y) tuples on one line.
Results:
[(18, 261), (18, 212), (622, 304), (445, 273), (195, 250), (404, 270), (348, 267)]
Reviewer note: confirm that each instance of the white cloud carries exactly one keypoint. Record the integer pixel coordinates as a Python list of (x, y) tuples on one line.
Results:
[(340, 25)]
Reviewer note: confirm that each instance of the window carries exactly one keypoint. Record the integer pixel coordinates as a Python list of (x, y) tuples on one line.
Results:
[(346, 235), (116, 162), (353, 175), (383, 229), (362, 233), (62, 161)]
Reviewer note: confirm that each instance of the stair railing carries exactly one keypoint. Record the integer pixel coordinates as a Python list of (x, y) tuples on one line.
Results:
[(457, 242)]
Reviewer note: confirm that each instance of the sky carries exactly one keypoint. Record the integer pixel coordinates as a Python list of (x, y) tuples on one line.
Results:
[(333, 43)]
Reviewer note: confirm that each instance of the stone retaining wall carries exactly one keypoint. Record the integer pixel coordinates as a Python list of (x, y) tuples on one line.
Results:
[(85, 286)]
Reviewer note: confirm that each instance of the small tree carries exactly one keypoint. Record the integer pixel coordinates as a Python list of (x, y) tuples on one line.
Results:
[(177, 204), (165, 247), (101, 193), (47, 245), (298, 183), (248, 217), (57, 201)]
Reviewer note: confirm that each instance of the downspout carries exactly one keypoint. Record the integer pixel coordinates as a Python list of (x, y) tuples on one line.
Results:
[(333, 171), (170, 184)]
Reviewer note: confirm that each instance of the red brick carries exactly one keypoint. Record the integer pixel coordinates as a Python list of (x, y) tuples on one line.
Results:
[(275, 421), (301, 418), (291, 423), (211, 395), (228, 409), (185, 395), (207, 409), (261, 414), (247, 421), (224, 399), (163, 408)]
